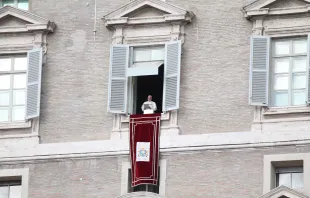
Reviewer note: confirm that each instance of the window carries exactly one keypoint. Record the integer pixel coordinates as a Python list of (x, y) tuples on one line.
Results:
[(289, 69), (290, 177), (146, 73), (136, 73), (143, 187), (11, 189), (158, 189), (14, 183), (22, 4), (12, 88)]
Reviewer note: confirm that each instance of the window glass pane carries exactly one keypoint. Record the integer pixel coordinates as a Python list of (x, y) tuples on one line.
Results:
[(23, 4), (142, 55), (4, 98), (281, 83), (5, 81), (158, 54), (19, 81), (282, 48), (299, 97), (4, 192), (297, 180), (299, 81), (19, 97), (15, 191), (5, 64), (20, 64), (300, 47), (282, 65), (281, 99), (300, 64), (7, 2), (18, 113), (4, 114), (285, 179)]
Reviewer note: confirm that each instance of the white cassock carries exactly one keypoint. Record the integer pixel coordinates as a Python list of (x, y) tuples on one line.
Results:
[(149, 105)]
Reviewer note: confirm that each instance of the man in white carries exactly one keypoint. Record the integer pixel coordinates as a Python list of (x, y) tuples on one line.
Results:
[(149, 106)]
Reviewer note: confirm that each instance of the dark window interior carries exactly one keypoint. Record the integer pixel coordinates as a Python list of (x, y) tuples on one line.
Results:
[(143, 187), (150, 85)]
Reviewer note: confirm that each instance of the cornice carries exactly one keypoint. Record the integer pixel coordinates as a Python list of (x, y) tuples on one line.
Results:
[(119, 16), (168, 145), (36, 23)]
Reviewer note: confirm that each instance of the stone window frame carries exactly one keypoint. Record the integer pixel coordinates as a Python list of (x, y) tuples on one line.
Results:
[(23, 173), (120, 23), (34, 35), (257, 12), (277, 33), (269, 175), (126, 165)]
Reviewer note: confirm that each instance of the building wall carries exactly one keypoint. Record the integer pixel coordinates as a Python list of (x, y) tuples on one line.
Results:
[(214, 80), (208, 174)]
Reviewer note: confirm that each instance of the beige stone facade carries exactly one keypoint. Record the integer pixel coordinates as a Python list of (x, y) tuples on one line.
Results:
[(214, 144)]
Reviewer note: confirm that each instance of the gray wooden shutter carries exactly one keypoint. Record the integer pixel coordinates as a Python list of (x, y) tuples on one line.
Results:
[(259, 70), (172, 76), (34, 72), (119, 60), (308, 102)]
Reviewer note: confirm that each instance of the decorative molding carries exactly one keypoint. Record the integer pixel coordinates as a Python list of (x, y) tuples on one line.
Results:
[(287, 31), (181, 143), (284, 191), (15, 125), (175, 14), (258, 4), (36, 23), (259, 8)]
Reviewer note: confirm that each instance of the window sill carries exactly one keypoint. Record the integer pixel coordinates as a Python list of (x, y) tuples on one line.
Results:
[(164, 116), (287, 110), (15, 125)]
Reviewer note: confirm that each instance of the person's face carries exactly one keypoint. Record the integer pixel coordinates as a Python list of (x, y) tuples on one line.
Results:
[(149, 98)]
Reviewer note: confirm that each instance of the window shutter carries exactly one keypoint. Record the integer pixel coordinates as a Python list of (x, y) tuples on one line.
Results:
[(118, 79), (308, 69), (259, 70), (172, 76), (34, 72)]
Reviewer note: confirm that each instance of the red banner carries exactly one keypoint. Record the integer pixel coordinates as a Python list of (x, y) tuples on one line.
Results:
[(144, 148)]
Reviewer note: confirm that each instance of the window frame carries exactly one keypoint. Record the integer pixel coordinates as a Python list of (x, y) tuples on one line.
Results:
[(147, 186), (288, 170), (22, 173), (284, 160), (272, 75), (163, 174), (132, 80), (15, 4), (10, 183), (10, 122)]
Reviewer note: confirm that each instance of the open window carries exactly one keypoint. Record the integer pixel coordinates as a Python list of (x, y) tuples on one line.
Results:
[(136, 72), (146, 77), (20, 78)]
